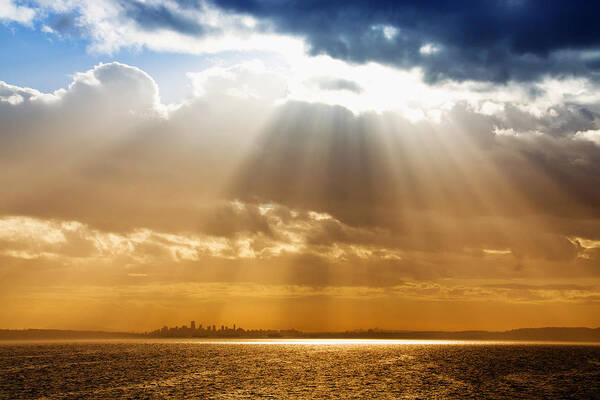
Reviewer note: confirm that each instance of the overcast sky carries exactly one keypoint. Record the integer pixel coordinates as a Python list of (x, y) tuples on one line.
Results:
[(308, 164)]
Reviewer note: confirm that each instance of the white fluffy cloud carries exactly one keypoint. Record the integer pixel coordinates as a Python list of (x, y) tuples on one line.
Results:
[(591, 135), (11, 11), (112, 25), (246, 80)]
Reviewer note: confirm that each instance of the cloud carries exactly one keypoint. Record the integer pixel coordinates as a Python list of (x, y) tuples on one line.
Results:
[(488, 41), (11, 11), (339, 84), (104, 183), (249, 79), (155, 16), (383, 156), (106, 152), (198, 28), (492, 41), (339, 160), (93, 145), (590, 135)]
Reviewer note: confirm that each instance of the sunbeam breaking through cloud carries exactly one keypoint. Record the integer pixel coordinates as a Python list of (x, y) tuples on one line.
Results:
[(319, 162)]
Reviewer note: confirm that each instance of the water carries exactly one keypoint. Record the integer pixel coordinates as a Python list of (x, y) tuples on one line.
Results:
[(298, 370)]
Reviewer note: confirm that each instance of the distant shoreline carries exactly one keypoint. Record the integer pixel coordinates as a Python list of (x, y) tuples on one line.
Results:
[(552, 334)]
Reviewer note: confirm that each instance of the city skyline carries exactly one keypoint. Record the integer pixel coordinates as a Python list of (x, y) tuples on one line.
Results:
[(247, 336)]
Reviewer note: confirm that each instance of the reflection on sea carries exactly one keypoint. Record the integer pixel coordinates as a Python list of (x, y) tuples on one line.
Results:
[(298, 369), (384, 342)]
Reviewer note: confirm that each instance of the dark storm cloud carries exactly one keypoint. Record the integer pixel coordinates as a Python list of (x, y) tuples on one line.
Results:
[(488, 40), (491, 40)]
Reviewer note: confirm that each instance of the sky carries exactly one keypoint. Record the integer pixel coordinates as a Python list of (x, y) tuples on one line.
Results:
[(421, 165)]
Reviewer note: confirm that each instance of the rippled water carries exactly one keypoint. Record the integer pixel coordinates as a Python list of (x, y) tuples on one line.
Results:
[(298, 370)]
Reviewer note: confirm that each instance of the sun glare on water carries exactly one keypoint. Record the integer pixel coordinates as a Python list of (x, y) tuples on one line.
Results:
[(337, 342)]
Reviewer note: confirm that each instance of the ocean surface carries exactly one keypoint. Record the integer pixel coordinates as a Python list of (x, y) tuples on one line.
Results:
[(298, 369)]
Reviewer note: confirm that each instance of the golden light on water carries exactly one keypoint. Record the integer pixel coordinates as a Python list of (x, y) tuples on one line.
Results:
[(341, 342), (371, 342)]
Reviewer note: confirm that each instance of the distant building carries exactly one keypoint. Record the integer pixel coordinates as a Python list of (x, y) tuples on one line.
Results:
[(193, 325)]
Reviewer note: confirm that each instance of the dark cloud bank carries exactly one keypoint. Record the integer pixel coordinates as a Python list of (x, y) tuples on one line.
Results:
[(492, 40)]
